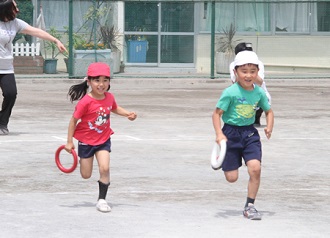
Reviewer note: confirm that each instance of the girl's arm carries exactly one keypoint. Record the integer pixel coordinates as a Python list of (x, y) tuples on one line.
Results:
[(258, 81), (270, 123), (72, 126), (123, 112), (216, 119), (33, 31), (261, 74)]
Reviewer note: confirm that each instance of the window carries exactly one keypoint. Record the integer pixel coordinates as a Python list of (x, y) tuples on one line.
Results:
[(247, 17), (56, 13), (293, 17), (141, 16), (323, 16), (276, 18), (161, 32)]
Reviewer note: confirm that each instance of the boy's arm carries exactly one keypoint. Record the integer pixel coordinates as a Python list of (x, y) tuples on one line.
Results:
[(123, 112), (216, 119), (270, 123), (72, 126)]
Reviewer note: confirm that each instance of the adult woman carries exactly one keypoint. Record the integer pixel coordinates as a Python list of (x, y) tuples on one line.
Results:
[(9, 27)]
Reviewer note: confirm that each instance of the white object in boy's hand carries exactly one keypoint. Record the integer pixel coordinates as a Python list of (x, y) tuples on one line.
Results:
[(218, 154)]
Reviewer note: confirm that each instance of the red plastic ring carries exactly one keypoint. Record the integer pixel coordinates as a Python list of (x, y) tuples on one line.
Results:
[(58, 162)]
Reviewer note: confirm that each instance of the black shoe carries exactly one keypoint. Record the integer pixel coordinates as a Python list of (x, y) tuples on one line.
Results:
[(4, 131)]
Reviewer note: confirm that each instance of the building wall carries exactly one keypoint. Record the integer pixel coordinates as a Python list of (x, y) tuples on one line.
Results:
[(278, 53)]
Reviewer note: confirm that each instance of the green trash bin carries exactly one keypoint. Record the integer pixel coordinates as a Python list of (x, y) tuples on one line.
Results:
[(50, 66)]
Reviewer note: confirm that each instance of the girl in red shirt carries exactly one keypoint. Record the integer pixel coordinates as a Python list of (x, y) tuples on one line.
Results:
[(93, 130)]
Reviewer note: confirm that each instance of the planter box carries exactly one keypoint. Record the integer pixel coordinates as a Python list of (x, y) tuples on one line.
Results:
[(100, 54), (116, 56), (83, 58), (222, 62), (80, 65)]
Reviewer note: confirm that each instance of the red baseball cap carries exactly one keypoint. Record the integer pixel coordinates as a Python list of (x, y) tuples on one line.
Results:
[(98, 69)]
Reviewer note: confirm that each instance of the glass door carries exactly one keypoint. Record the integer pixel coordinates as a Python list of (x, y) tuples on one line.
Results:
[(160, 34), (176, 33)]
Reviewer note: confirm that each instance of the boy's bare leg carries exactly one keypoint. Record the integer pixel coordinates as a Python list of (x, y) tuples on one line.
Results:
[(231, 176), (254, 170)]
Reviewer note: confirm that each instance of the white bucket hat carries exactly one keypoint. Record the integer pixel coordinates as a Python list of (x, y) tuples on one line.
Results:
[(246, 57)]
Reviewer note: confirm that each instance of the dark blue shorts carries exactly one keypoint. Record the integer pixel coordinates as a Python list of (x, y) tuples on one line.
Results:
[(243, 142), (87, 151)]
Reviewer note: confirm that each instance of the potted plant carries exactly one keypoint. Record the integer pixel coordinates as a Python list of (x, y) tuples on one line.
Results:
[(88, 45), (110, 37), (50, 63), (86, 49), (87, 52), (225, 50), (79, 42)]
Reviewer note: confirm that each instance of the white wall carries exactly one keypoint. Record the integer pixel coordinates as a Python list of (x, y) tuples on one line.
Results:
[(283, 53)]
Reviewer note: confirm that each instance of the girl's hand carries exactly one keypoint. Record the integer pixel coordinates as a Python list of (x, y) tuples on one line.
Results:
[(68, 147), (132, 116), (268, 133)]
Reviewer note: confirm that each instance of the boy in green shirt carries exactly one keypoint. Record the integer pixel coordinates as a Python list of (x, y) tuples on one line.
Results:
[(237, 107)]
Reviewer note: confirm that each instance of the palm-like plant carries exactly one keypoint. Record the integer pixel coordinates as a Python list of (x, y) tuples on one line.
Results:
[(50, 45), (226, 49), (110, 37), (226, 43)]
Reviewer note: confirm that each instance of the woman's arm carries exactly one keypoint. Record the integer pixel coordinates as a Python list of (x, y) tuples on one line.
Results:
[(33, 31)]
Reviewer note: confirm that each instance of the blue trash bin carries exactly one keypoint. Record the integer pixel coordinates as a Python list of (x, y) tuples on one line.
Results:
[(137, 51)]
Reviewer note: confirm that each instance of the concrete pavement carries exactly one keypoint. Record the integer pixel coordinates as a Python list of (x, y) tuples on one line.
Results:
[(162, 184)]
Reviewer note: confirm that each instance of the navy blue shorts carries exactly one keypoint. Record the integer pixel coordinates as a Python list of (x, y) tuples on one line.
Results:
[(243, 142), (87, 151)]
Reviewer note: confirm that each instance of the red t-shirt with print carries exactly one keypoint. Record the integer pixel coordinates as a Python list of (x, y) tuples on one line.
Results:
[(94, 125)]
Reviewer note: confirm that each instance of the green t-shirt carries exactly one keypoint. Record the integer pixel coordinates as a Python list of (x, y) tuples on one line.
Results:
[(240, 105)]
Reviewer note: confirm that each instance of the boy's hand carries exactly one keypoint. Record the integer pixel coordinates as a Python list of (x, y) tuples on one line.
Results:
[(221, 137), (268, 133), (132, 116)]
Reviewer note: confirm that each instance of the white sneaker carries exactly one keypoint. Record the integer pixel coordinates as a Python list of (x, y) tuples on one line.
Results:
[(251, 212), (103, 206)]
